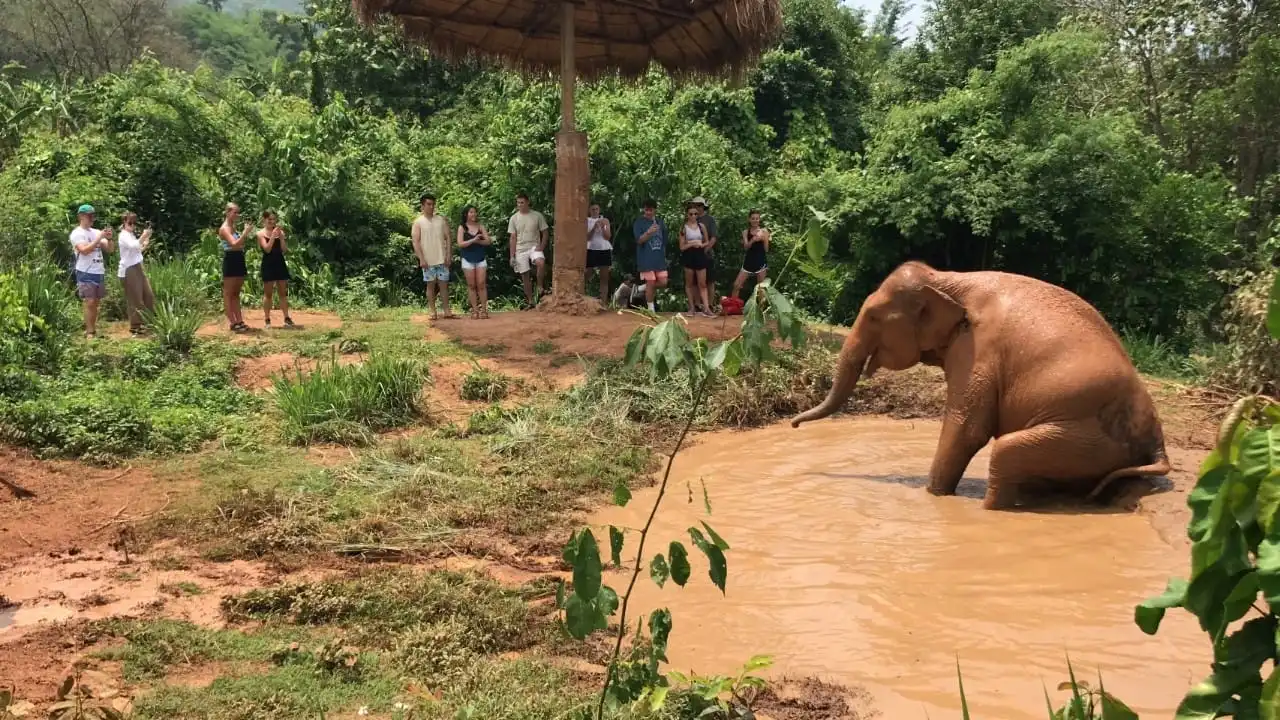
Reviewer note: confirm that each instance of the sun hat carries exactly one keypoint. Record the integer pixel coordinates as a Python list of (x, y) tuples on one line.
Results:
[(85, 209), (699, 201)]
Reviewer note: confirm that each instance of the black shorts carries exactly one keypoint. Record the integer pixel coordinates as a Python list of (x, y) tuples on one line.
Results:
[(599, 258), (233, 264), (753, 263), (694, 259)]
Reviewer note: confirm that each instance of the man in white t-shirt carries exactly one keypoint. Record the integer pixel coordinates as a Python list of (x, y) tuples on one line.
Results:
[(91, 271), (528, 240)]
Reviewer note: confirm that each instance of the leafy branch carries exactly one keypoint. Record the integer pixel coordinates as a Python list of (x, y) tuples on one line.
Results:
[(666, 348)]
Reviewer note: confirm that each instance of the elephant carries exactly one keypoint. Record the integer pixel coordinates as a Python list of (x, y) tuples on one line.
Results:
[(1028, 364)]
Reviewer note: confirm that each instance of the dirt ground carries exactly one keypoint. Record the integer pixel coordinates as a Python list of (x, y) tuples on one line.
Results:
[(65, 528)]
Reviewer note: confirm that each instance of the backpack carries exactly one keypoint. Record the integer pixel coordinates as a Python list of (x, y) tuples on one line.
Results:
[(731, 305)]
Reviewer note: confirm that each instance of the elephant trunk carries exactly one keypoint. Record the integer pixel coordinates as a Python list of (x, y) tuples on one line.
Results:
[(849, 368)]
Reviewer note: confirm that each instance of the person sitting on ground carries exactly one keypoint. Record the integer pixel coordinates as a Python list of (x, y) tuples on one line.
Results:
[(137, 289), (599, 249), (528, 242), (756, 241), (233, 267), (651, 251), (91, 270), (629, 294), (275, 273), (473, 242), (435, 253)]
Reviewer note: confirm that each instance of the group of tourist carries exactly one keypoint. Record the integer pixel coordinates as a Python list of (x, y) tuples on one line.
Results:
[(433, 246), (527, 234)]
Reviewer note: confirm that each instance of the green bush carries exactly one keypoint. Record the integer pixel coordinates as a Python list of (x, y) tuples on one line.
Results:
[(486, 385), (173, 325), (349, 403)]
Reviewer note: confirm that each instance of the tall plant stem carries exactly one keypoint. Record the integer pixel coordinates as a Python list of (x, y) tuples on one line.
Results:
[(644, 534)]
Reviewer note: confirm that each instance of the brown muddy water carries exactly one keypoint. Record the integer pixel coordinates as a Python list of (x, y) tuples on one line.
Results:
[(843, 567)]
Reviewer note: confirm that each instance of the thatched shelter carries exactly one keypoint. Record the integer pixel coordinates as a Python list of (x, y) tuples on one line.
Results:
[(592, 38)]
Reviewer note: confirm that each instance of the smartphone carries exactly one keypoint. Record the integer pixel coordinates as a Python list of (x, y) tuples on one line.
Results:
[(148, 226)]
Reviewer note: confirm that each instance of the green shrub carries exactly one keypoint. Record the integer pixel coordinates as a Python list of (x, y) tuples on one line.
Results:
[(349, 403), (182, 284), (485, 385), (174, 326), (1252, 363)]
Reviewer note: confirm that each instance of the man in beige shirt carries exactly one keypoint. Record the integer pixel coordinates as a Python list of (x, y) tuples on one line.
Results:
[(435, 253), (528, 231)]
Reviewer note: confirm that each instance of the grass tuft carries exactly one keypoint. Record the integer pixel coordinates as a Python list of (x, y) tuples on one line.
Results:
[(485, 385), (348, 404)]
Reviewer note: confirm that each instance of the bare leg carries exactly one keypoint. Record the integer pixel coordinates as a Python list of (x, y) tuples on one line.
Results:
[(444, 298), (650, 292), (472, 296), (689, 288), (237, 284), (91, 316), (701, 276), (227, 303), (282, 297), (604, 286), (541, 266), (431, 298), (528, 287), (482, 279), (738, 282), (266, 301)]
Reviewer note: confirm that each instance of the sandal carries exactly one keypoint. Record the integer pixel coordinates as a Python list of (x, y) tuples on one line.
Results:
[(484, 314)]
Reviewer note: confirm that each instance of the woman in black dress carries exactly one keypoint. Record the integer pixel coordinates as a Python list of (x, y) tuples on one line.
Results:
[(275, 273), (755, 239), (233, 267)]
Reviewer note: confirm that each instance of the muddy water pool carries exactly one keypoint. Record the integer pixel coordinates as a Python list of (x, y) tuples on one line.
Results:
[(843, 567)]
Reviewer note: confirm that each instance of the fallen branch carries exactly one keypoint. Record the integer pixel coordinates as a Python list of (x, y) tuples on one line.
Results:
[(117, 520)]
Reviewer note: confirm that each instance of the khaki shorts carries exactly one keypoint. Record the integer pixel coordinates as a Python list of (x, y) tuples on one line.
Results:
[(525, 258)]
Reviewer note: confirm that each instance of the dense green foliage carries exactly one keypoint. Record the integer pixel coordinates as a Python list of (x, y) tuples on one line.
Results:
[(1027, 136), (1235, 561)]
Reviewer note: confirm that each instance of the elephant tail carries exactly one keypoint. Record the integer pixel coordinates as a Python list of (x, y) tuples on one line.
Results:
[(1157, 467)]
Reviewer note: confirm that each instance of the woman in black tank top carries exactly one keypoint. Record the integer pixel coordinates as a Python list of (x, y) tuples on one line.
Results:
[(755, 239)]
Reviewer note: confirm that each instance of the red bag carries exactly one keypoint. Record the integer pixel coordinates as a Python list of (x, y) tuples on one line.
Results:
[(731, 306)]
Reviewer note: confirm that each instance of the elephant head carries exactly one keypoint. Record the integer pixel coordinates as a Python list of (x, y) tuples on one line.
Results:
[(909, 318)]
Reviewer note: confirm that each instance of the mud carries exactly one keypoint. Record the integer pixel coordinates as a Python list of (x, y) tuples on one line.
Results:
[(259, 373), (844, 568), (55, 507)]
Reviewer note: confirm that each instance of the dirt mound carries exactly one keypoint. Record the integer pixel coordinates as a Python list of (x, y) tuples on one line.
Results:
[(812, 699), (56, 506), (257, 373)]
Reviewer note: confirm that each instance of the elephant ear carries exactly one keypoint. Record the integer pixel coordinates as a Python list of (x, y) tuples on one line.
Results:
[(939, 316)]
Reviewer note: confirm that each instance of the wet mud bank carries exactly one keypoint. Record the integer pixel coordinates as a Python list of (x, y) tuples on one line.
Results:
[(844, 568)]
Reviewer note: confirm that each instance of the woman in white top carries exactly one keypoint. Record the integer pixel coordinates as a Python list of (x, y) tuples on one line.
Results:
[(137, 289), (693, 255), (599, 249)]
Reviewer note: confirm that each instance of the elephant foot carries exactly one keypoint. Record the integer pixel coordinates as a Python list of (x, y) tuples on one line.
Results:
[(999, 497), (942, 488)]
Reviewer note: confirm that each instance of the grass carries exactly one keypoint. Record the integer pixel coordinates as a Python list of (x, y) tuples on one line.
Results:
[(485, 385), (173, 326), (1155, 356), (350, 403), (544, 347), (367, 641)]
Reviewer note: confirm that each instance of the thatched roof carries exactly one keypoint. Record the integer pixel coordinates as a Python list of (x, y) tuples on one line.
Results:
[(624, 36)]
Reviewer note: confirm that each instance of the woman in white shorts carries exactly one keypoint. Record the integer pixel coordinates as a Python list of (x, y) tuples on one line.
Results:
[(473, 243)]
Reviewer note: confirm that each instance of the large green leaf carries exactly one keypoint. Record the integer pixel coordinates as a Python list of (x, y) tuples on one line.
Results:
[(815, 237), (1201, 501), (1269, 702), (621, 493), (582, 617), (658, 570), (636, 345), (1148, 614), (715, 536), (615, 546), (1273, 309), (1112, 708), (587, 567), (1206, 698), (679, 563), (1269, 567), (660, 631), (1269, 500), (1259, 453), (1241, 598), (719, 570)]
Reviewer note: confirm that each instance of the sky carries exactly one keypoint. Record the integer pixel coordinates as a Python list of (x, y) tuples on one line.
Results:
[(910, 21)]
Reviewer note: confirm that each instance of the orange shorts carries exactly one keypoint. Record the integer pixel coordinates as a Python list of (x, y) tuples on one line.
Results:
[(656, 277)]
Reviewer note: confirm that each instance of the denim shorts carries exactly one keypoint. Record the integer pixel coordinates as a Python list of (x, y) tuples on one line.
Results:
[(91, 286), (435, 272)]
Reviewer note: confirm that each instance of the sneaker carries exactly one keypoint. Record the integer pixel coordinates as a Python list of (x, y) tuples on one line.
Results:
[(266, 324), (288, 321)]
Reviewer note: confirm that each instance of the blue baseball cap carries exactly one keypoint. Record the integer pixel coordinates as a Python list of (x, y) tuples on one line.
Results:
[(85, 209)]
